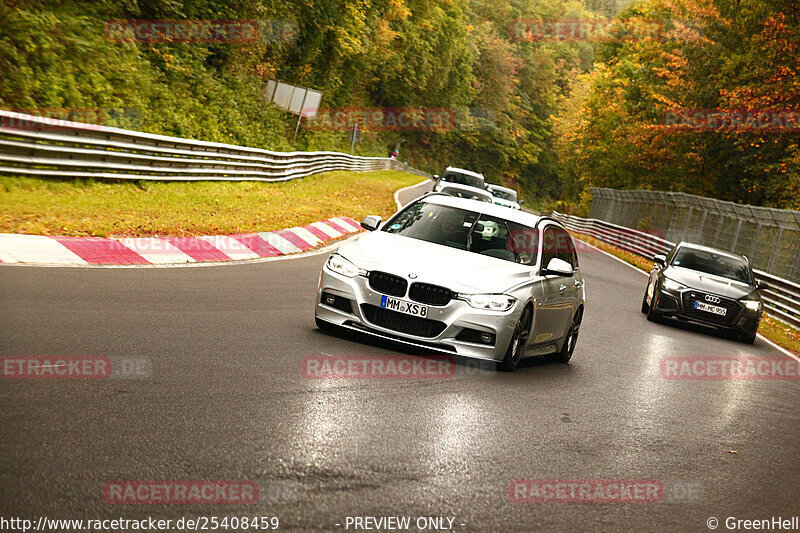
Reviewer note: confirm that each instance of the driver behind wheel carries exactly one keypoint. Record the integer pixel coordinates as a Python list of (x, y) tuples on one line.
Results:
[(452, 227)]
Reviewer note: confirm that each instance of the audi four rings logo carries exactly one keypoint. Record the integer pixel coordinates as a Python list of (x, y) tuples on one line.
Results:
[(712, 299)]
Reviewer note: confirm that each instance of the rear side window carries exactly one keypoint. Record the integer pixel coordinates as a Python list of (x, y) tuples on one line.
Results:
[(463, 179), (564, 248), (548, 246), (525, 242)]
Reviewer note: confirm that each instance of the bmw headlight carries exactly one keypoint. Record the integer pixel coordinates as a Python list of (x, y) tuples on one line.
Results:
[(752, 305), (491, 302), (672, 285), (342, 266)]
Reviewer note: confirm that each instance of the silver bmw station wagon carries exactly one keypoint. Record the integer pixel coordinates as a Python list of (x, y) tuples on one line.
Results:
[(458, 276)]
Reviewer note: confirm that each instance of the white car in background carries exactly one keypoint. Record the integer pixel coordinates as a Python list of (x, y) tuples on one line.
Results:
[(465, 191), (504, 196), (459, 176)]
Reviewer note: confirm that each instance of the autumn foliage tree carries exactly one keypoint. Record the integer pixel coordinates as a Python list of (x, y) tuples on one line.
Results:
[(712, 54)]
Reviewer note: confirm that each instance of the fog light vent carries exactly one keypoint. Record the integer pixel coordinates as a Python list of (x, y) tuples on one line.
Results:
[(477, 337), (337, 302)]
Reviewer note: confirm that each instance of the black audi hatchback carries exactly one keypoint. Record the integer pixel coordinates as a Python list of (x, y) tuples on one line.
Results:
[(705, 285)]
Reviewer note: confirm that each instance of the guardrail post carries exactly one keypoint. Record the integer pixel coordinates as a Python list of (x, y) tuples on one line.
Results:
[(736, 235), (663, 220), (754, 247), (688, 223), (718, 230), (702, 226), (793, 273), (775, 249)]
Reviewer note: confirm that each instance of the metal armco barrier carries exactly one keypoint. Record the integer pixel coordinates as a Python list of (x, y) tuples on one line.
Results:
[(44, 147), (781, 299), (769, 237)]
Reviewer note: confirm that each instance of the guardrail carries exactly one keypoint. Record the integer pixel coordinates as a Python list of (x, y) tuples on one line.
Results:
[(781, 299), (769, 237), (44, 147)]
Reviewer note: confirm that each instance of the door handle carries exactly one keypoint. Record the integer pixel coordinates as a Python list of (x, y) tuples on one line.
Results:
[(562, 288), (577, 283)]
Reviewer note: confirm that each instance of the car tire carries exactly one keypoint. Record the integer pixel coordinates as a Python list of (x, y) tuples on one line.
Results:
[(748, 338), (565, 354), (518, 341), (652, 314), (645, 307)]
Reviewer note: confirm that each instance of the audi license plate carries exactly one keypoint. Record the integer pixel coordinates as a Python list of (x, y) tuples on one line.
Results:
[(702, 306), (401, 306)]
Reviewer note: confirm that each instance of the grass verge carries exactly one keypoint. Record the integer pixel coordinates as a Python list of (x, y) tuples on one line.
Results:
[(160, 208), (776, 331)]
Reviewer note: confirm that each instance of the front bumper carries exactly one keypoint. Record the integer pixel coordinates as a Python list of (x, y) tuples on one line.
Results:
[(447, 336), (677, 304)]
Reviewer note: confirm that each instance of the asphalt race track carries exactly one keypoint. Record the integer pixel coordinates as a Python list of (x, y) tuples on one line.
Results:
[(226, 400)]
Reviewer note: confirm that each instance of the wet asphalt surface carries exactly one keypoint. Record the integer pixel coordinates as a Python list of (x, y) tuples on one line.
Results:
[(224, 398)]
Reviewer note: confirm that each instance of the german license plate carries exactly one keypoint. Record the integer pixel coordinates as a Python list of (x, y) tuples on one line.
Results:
[(402, 306), (702, 306)]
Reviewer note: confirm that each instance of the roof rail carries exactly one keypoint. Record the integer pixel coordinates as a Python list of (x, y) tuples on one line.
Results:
[(435, 193), (546, 218)]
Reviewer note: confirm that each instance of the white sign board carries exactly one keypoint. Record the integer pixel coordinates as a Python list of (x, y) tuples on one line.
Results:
[(297, 100), (283, 95), (269, 91), (296, 103), (311, 106)]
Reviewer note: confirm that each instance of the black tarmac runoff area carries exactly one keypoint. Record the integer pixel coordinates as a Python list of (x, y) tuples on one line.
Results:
[(623, 438)]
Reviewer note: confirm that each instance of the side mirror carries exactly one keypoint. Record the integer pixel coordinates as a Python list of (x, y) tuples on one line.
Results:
[(558, 267), (521, 202), (660, 259), (762, 286), (371, 222)]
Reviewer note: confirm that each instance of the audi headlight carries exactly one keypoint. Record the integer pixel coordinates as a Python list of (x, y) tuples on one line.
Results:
[(491, 302), (672, 285), (752, 305), (342, 266)]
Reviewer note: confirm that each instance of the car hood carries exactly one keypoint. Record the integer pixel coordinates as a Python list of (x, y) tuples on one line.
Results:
[(458, 270), (709, 283)]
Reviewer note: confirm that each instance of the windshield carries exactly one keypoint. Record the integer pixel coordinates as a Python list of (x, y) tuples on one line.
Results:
[(467, 194), (505, 195), (463, 179), (467, 230), (720, 265)]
